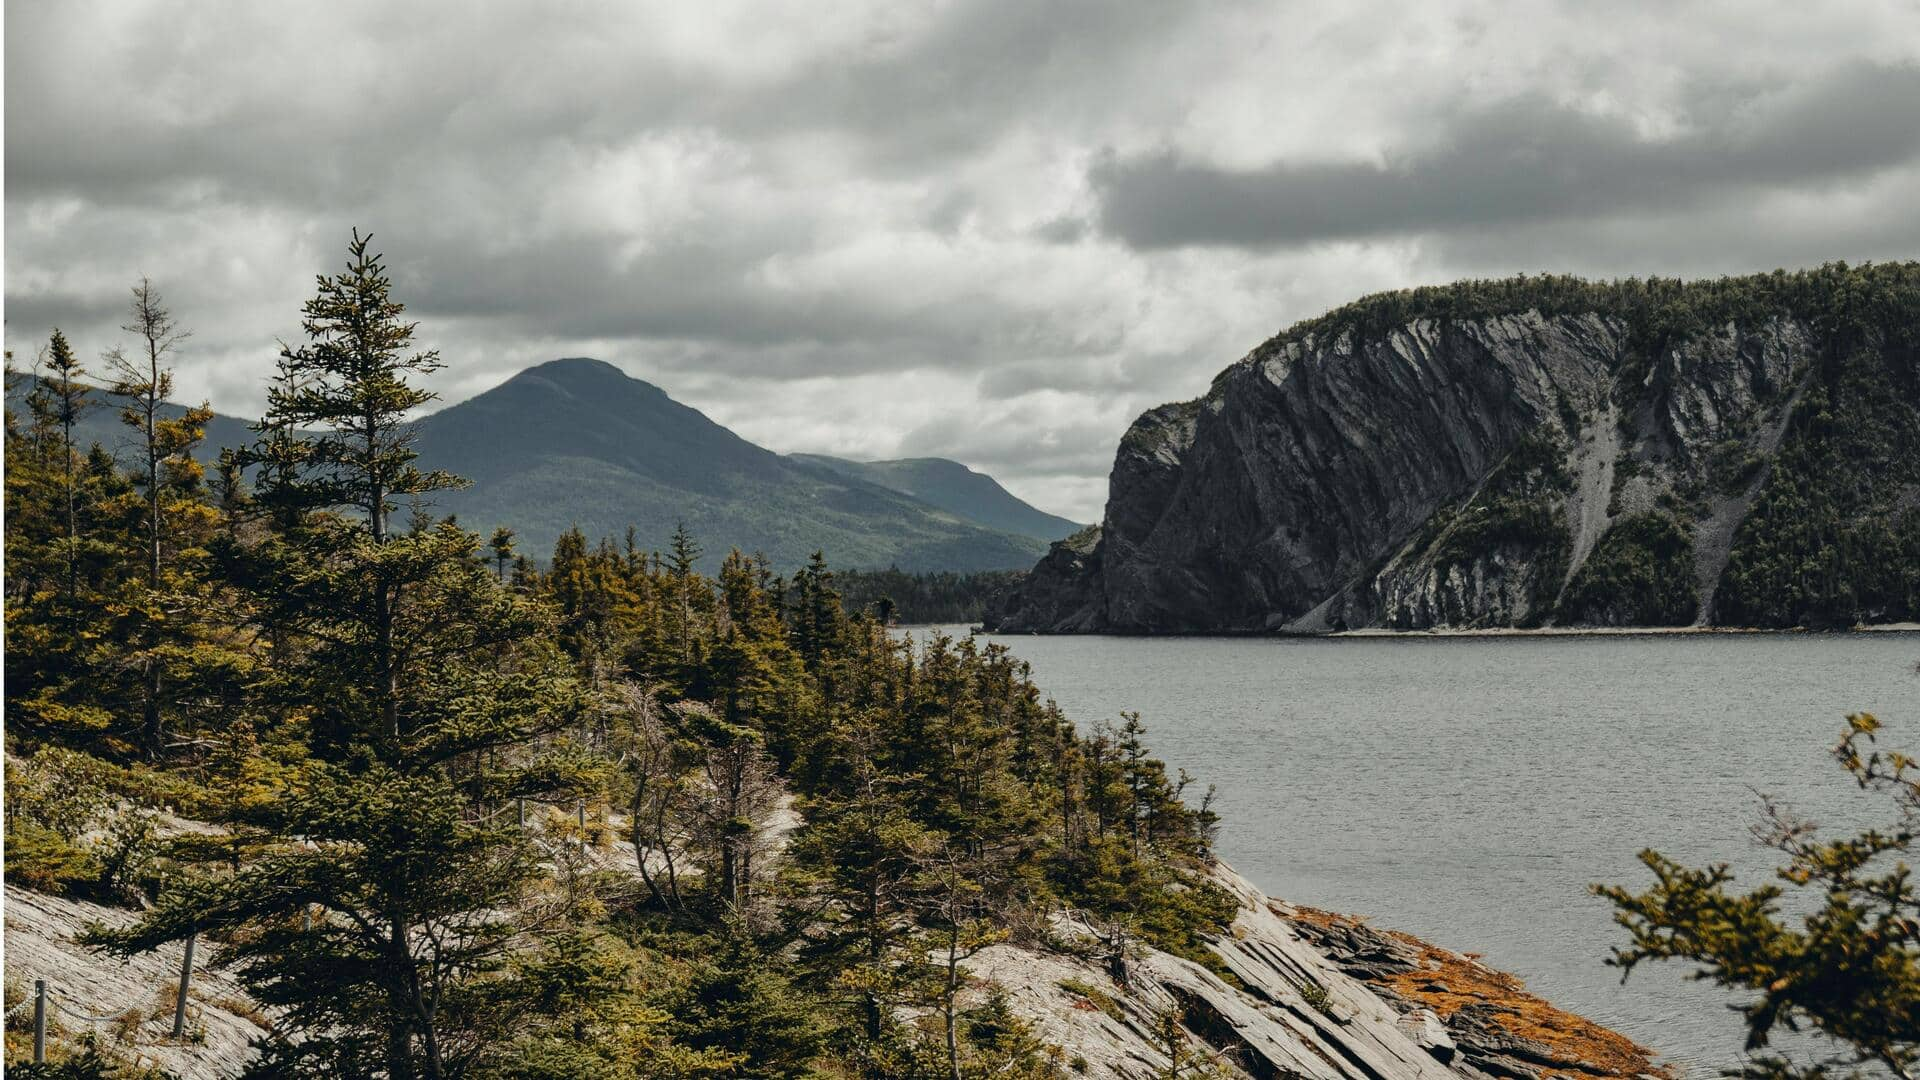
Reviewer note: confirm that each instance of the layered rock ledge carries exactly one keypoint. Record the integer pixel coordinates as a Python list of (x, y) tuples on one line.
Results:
[(1295, 993), (1306, 994)]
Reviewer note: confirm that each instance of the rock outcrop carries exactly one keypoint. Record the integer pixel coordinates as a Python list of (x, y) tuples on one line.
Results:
[(137, 994), (1464, 472), (1294, 993), (1305, 995)]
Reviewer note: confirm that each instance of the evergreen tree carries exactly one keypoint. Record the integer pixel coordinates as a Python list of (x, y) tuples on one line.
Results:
[(501, 547), (350, 385), (1841, 956), (177, 522), (737, 1000), (68, 398), (408, 665)]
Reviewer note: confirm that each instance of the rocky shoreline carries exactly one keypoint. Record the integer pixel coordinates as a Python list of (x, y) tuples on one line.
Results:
[(1475, 632), (1292, 992), (1499, 1027), (1303, 993)]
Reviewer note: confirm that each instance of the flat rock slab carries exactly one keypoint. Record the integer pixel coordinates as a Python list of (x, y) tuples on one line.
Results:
[(40, 932)]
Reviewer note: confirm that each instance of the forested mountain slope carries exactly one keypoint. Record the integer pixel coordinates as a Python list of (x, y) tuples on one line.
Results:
[(579, 442), (955, 488), (1527, 452)]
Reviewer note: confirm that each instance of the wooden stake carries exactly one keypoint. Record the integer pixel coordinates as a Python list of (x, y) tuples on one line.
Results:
[(39, 1021), (186, 979)]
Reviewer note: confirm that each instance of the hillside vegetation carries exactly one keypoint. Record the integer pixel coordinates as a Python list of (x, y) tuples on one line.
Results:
[(955, 488), (351, 712)]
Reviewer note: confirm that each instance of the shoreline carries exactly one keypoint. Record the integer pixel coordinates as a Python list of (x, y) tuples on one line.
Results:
[(1440, 632), (1485, 1009), (1617, 631)]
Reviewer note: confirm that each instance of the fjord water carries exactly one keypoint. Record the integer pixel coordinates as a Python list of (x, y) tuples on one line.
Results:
[(1469, 789)]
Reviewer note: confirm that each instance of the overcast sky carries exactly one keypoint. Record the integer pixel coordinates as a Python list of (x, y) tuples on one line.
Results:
[(992, 230)]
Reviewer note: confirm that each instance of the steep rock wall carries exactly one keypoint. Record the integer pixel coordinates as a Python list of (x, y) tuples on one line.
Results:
[(1337, 479)]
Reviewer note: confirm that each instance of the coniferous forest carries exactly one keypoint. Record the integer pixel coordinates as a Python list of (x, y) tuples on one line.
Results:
[(449, 814), (941, 596)]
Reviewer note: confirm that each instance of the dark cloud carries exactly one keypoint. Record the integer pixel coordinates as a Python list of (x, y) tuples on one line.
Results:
[(989, 229), (1527, 160)]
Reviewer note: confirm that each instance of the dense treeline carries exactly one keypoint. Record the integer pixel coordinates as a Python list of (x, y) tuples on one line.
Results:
[(1834, 534), (797, 826), (898, 596), (1846, 303)]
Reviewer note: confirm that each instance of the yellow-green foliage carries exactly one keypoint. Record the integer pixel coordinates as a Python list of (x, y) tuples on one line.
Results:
[(1828, 942)]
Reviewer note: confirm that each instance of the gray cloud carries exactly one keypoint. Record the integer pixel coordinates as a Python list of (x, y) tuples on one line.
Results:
[(1526, 160), (990, 229)]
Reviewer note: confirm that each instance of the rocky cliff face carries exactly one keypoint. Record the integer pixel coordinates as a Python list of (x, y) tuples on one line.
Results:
[(1513, 469)]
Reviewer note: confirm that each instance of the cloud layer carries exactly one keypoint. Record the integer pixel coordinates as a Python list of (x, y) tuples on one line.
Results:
[(986, 229)]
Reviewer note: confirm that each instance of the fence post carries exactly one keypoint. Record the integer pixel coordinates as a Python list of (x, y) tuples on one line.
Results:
[(186, 978), (39, 1021)]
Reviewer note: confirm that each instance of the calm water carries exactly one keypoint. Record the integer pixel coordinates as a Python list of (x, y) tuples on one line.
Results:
[(1469, 789)]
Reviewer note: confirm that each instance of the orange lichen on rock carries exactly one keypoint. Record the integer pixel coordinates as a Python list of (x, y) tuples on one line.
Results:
[(1449, 982)]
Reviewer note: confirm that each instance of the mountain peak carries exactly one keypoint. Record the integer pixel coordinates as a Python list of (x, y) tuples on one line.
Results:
[(578, 442), (575, 365), (582, 372)]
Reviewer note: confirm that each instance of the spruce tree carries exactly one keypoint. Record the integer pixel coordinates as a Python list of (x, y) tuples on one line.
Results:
[(501, 548), (169, 480), (68, 398), (408, 665)]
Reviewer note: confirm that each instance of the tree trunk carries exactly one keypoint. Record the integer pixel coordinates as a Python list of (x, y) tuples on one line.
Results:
[(638, 828), (876, 951), (399, 1050), (73, 527), (953, 993), (432, 1039), (400, 1003), (390, 675)]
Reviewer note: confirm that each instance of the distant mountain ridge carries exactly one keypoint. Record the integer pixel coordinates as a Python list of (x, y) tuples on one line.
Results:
[(577, 441), (101, 424), (955, 488)]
